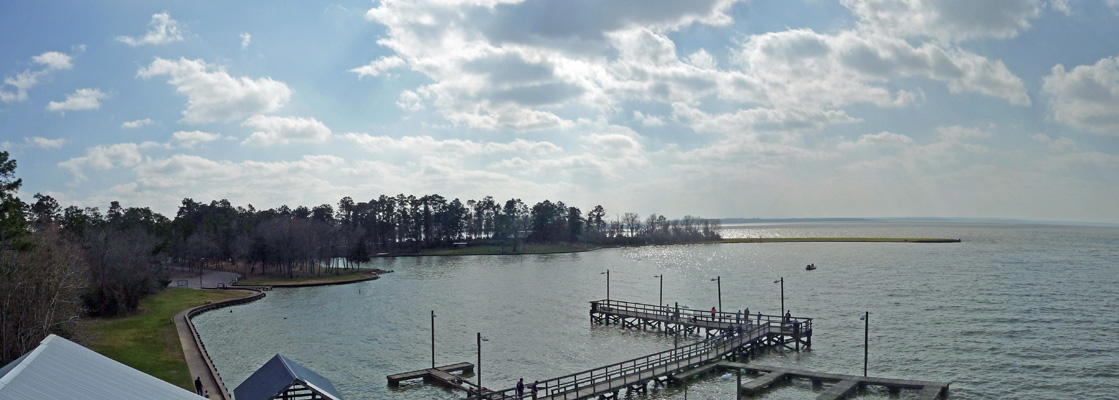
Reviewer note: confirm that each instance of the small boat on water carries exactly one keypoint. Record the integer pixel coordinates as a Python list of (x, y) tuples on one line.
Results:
[(810, 267)]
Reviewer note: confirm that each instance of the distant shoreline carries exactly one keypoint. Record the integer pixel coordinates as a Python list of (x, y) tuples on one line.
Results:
[(839, 240)]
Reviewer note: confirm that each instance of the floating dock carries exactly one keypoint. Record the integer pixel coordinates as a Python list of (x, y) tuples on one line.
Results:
[(841, 385), (440, 375)]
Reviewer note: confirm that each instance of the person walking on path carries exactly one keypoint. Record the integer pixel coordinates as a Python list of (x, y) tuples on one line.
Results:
[(198, 385)]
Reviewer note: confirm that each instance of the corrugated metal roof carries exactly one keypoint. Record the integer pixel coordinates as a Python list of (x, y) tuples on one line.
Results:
[(61, 369), (276, 375)]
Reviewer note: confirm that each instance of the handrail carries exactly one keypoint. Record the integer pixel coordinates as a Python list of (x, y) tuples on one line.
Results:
[(706, 350), (699, 315)]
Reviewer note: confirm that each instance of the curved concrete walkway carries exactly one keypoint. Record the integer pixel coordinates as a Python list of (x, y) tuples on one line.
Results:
[(195, 353)]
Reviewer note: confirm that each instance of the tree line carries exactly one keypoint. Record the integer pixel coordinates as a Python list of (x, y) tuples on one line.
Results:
[(59, 264)]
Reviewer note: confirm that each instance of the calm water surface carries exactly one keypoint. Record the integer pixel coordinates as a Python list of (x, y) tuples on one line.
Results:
[(1014, 311)]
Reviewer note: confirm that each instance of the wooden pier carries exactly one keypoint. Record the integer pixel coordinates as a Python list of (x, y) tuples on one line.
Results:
[(440, 375), (791, 333), (728, 336), (841, 385)]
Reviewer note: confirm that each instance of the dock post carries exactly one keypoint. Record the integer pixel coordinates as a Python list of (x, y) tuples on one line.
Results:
[(866, 340), (433, 339), (478, 368), (738, 386)]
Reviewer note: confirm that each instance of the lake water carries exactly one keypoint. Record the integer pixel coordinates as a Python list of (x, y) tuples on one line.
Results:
[(1014, 311)]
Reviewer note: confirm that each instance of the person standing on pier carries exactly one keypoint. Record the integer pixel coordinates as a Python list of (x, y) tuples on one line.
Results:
[(788, 316), (521, 388), (738, 316), (712, 313), (747, 321)]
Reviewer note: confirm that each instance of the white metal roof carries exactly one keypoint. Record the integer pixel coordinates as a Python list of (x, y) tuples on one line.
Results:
[(61, 369)]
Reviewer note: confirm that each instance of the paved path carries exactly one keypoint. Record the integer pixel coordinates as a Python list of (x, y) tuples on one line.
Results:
[(210, 279)]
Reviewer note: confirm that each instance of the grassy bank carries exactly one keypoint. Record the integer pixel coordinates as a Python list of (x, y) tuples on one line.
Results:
[(840, 239), (303, 280), (530, 248), (147, 340)]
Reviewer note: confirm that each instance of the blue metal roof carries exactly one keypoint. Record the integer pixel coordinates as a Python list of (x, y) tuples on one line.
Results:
[(61, 369), (278, 374)]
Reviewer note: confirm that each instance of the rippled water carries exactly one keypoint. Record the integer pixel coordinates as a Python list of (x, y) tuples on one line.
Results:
[(1014, 311)]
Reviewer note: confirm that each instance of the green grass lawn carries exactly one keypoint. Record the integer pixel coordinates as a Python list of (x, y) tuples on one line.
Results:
[(522, 248), (147, 340), (280, 281), (840, 239)]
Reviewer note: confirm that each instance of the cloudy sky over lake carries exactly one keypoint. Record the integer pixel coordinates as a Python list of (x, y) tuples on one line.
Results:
[(715, 108)]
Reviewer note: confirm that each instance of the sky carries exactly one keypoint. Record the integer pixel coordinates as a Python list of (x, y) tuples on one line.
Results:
[(711, 108)]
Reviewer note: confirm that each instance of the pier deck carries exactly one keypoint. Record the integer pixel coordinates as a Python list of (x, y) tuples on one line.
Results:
[(842, 385), (727, 335), (440, 374)]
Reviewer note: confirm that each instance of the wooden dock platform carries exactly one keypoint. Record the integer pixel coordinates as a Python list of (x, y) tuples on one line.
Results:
[(441, 375), (841, 385), (727, 336), (791, 333)]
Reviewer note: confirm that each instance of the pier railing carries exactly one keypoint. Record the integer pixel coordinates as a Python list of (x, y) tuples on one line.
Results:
[(637, 370), (692, 315), (642, 369)]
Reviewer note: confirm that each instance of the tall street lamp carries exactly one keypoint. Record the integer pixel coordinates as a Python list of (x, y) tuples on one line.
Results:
[(607, 284), (719, 280), (660, 300), (866, 338), (478, 367), (432, 339), (782, 281)]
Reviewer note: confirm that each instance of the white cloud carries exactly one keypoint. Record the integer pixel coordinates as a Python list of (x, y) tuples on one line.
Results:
[(804, 67), (647, 120), (54, 60), (1086, 97), (284, 130), (217, 96), (82, 99), (50, 61), (449, 147), (44, 143), (949, 20), (379, 66), (754, 121), (514, 66), (245, 39), (702, 59), (191, 138), (103, 157), (1062, 6), (136, 124), (881, 139), (162, 29)]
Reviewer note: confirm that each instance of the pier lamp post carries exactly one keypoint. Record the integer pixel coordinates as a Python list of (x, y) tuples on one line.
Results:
[(607, 284), (719, 280), (478, 367), (660, 300), (866, 338), (782, 281), (432, 339)]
